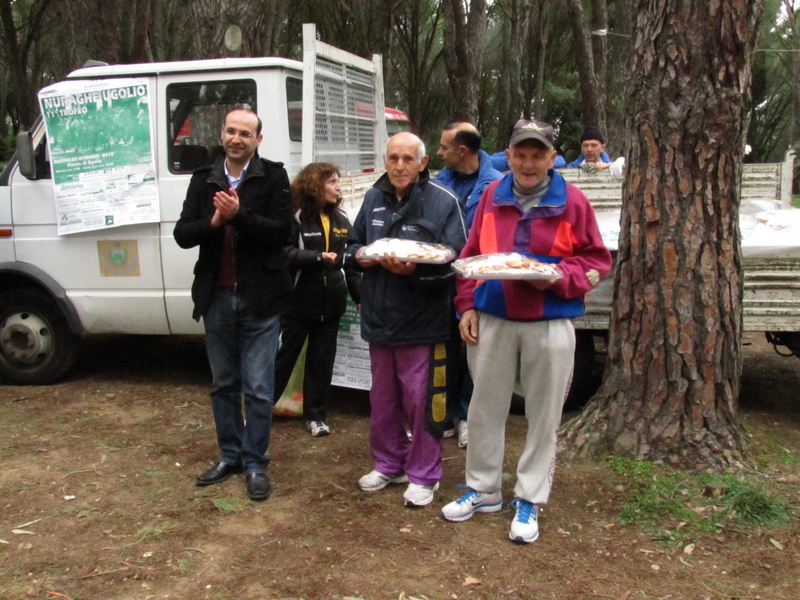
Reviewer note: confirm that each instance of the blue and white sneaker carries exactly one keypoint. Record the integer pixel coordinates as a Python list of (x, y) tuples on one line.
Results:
[(525, 526), (471, 502)]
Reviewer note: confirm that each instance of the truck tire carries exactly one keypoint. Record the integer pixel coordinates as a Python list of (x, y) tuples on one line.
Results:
[(36, 344)]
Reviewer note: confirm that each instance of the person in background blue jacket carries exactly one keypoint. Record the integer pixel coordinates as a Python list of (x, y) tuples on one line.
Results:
[(593, 150), (467, 171)]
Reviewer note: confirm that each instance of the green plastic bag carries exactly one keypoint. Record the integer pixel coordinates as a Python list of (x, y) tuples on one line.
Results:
[(290, 404)]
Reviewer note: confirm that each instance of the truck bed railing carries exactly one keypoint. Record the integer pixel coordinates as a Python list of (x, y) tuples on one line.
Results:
[(764, 180)]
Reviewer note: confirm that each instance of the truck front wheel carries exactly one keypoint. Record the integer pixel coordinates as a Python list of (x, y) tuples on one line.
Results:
[(36, 344)]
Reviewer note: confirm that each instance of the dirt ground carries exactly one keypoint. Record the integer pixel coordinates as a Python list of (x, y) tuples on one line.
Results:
[(99, 502)]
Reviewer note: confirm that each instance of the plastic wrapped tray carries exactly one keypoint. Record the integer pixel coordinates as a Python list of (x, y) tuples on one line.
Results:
[(504, 265), (408, 250)]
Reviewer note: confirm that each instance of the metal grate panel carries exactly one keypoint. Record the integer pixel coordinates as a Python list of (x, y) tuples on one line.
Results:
[(344, 123)]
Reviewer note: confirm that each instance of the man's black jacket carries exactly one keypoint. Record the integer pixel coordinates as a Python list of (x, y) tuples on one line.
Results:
[(261, 230)]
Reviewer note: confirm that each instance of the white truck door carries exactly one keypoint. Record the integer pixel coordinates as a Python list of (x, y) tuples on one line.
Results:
[(108, 296), (190, 119)]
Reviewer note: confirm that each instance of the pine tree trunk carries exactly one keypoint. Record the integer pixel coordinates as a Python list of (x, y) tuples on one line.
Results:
[(672, 377), (590, 60), (463, 55)]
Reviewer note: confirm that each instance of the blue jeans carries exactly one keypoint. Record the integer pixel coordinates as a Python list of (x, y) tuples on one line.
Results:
[(241, 349)]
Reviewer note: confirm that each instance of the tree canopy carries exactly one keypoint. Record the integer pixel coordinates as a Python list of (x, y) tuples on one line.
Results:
[(490, 62)]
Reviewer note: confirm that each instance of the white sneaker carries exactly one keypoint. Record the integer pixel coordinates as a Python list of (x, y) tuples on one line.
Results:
[(375, 480), (419, 495), (463, 430), (448, 433), (471, 502), (525, 526), (318, 429)]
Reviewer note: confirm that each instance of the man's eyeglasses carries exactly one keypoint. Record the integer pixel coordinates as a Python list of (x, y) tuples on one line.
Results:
[(242, 134)]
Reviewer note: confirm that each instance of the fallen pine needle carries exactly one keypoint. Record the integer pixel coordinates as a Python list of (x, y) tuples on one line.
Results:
[(59, 595), (26, 524), (101, 573)]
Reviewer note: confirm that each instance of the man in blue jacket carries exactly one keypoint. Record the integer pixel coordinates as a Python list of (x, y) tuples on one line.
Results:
[(406, 315), (467, 171), (593, 150)]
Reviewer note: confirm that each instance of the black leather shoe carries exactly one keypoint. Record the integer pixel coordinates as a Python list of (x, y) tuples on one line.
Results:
[(258, 487), (217, 474)]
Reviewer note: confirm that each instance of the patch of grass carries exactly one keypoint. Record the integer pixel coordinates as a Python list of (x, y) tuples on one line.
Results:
[(673, 506), (628, 467), (117, 443), (185, 566), (781, 454), (228, 505), (657, 499), (754, 504), (153, 495), (155, 529)]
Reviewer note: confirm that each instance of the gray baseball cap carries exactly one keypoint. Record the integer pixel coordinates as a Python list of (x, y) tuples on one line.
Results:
[(532, 130)]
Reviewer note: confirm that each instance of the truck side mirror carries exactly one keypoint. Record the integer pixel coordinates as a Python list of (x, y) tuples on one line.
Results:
[(26, 158)]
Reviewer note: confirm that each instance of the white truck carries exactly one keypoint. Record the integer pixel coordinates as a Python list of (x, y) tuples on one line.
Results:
[(56, 289)]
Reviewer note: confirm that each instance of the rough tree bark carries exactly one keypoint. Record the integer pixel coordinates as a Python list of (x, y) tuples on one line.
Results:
[(674, 357), (620, 47), (463, 49), (138, 53), (515, 33), (416, 60), (24, 70), (542, 38), (590, 59), (795, 68)]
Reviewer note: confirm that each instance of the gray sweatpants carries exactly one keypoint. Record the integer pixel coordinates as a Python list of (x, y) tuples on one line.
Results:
[(543, 353)]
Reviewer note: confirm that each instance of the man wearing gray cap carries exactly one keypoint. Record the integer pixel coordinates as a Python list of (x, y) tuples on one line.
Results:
[(524, 326)]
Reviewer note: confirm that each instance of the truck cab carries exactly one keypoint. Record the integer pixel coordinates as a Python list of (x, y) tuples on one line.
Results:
[(55, 289)]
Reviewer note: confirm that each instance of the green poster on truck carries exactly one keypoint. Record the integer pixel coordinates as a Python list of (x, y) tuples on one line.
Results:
[(102, 157)]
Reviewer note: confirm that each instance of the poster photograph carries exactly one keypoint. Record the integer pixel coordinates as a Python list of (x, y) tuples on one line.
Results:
[(101, 153)]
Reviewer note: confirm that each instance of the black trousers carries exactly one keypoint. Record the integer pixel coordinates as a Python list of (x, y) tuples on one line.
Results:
[(320, 356)]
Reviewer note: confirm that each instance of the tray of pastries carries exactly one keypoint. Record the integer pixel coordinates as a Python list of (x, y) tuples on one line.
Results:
[(504, 265), (407, 250)]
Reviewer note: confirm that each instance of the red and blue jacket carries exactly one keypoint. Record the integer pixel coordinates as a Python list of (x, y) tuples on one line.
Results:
[(561, 229)]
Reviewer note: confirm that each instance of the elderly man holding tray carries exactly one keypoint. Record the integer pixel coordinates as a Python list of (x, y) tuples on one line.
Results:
[(524, 325), (406, 312)]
